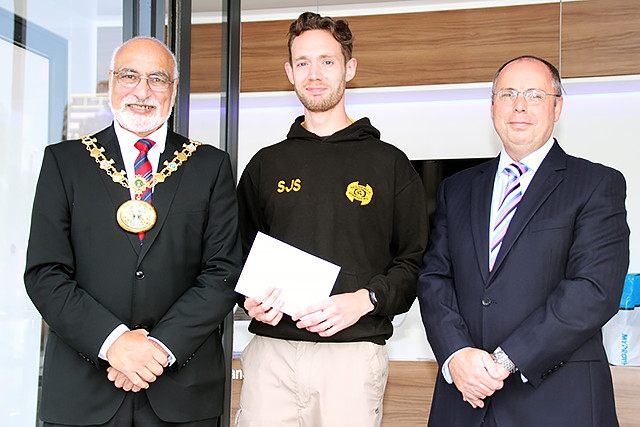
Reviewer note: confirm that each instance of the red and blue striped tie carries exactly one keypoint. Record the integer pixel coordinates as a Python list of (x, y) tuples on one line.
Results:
[(142, 167)]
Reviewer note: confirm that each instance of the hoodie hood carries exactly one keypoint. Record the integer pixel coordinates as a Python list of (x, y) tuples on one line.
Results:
[(358, 131)]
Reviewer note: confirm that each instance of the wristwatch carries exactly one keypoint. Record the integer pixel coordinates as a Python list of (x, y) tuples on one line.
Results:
[(499, 356), (372, 297)]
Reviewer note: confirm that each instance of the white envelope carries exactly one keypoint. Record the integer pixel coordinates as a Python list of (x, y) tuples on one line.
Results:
[(304, 279)]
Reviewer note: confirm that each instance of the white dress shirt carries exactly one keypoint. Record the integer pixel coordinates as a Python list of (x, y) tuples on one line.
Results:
[(127, 140)]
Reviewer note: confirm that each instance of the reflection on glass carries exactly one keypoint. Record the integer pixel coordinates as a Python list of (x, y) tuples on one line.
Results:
[(24, 88), (49, 50)]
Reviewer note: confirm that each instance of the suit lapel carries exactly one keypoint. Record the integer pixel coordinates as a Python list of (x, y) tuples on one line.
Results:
[(545, 181), (118, 194), (481, 189), (164, 193)]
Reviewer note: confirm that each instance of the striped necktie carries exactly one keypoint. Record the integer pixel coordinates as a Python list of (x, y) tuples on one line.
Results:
[(142, 167), (511, 196)]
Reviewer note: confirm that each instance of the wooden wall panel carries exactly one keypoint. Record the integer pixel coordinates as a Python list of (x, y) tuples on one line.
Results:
[(601, 38), (415, 48), (456, 46), (626, 385), (264, 52), (407, 398), (206, 58)]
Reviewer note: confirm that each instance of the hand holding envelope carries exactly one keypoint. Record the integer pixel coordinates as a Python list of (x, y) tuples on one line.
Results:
[(273, 266), (266, 308), (278, 278)]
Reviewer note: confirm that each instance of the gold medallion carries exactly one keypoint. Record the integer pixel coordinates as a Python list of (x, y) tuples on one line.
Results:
[(136, 216)]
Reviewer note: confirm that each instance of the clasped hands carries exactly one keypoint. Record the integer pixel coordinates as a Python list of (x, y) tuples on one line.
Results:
[(325, 318), (476, 375), (135, 360)]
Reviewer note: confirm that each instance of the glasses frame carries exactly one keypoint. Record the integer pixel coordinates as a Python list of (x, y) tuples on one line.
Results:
[(526, 94), (116, 75)]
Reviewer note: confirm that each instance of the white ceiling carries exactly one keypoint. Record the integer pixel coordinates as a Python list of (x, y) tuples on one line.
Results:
[(204, 10), (252, 9), (209, 5), (199, 6)]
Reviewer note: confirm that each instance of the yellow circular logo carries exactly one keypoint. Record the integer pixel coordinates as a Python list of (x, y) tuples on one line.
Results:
[(360, 193)]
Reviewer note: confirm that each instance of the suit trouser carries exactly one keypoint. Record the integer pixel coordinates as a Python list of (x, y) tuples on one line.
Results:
[(136, 411), (489, 419), (307, 384)]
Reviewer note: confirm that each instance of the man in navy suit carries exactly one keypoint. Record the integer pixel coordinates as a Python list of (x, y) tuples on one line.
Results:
[(514, 317), (134, 289)]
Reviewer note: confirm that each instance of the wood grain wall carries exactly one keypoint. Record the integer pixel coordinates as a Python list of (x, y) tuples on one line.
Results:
[(584, 38), (601, 38), (457, 46)]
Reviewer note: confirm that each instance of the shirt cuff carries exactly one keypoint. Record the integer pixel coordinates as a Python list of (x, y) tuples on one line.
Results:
[(170, 355), (445, 366), (111, 338), (447, 374)]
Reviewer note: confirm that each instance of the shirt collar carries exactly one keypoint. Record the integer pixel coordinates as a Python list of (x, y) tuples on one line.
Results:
[(533, 160), (127, 139)]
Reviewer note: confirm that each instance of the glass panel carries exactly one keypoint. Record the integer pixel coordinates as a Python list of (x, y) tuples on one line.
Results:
[(56, 57), (206, 54), (24, 90), (54, 87)]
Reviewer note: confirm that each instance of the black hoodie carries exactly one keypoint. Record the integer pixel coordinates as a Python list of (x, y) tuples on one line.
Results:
[(350, 199)]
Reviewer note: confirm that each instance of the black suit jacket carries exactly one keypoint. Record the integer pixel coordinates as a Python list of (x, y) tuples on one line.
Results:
[(557, 279), (86, 275)]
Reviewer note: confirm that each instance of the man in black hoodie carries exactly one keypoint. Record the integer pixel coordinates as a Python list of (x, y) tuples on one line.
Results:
[(334, 189)]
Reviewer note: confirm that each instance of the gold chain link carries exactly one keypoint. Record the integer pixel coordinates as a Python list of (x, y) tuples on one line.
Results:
[(121, 177)]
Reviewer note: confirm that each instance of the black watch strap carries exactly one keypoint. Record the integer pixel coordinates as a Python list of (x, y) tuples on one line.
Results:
[(373, 298)]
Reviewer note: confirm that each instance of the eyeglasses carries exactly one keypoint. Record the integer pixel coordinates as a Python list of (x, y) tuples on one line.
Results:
[(532, 96), (131, 79)]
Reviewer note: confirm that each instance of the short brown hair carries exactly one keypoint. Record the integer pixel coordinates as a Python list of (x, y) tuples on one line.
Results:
[(339, 29)]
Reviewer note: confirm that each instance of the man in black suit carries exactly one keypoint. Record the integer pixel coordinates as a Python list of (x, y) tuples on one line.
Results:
[(513, 294), (132, 260)]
